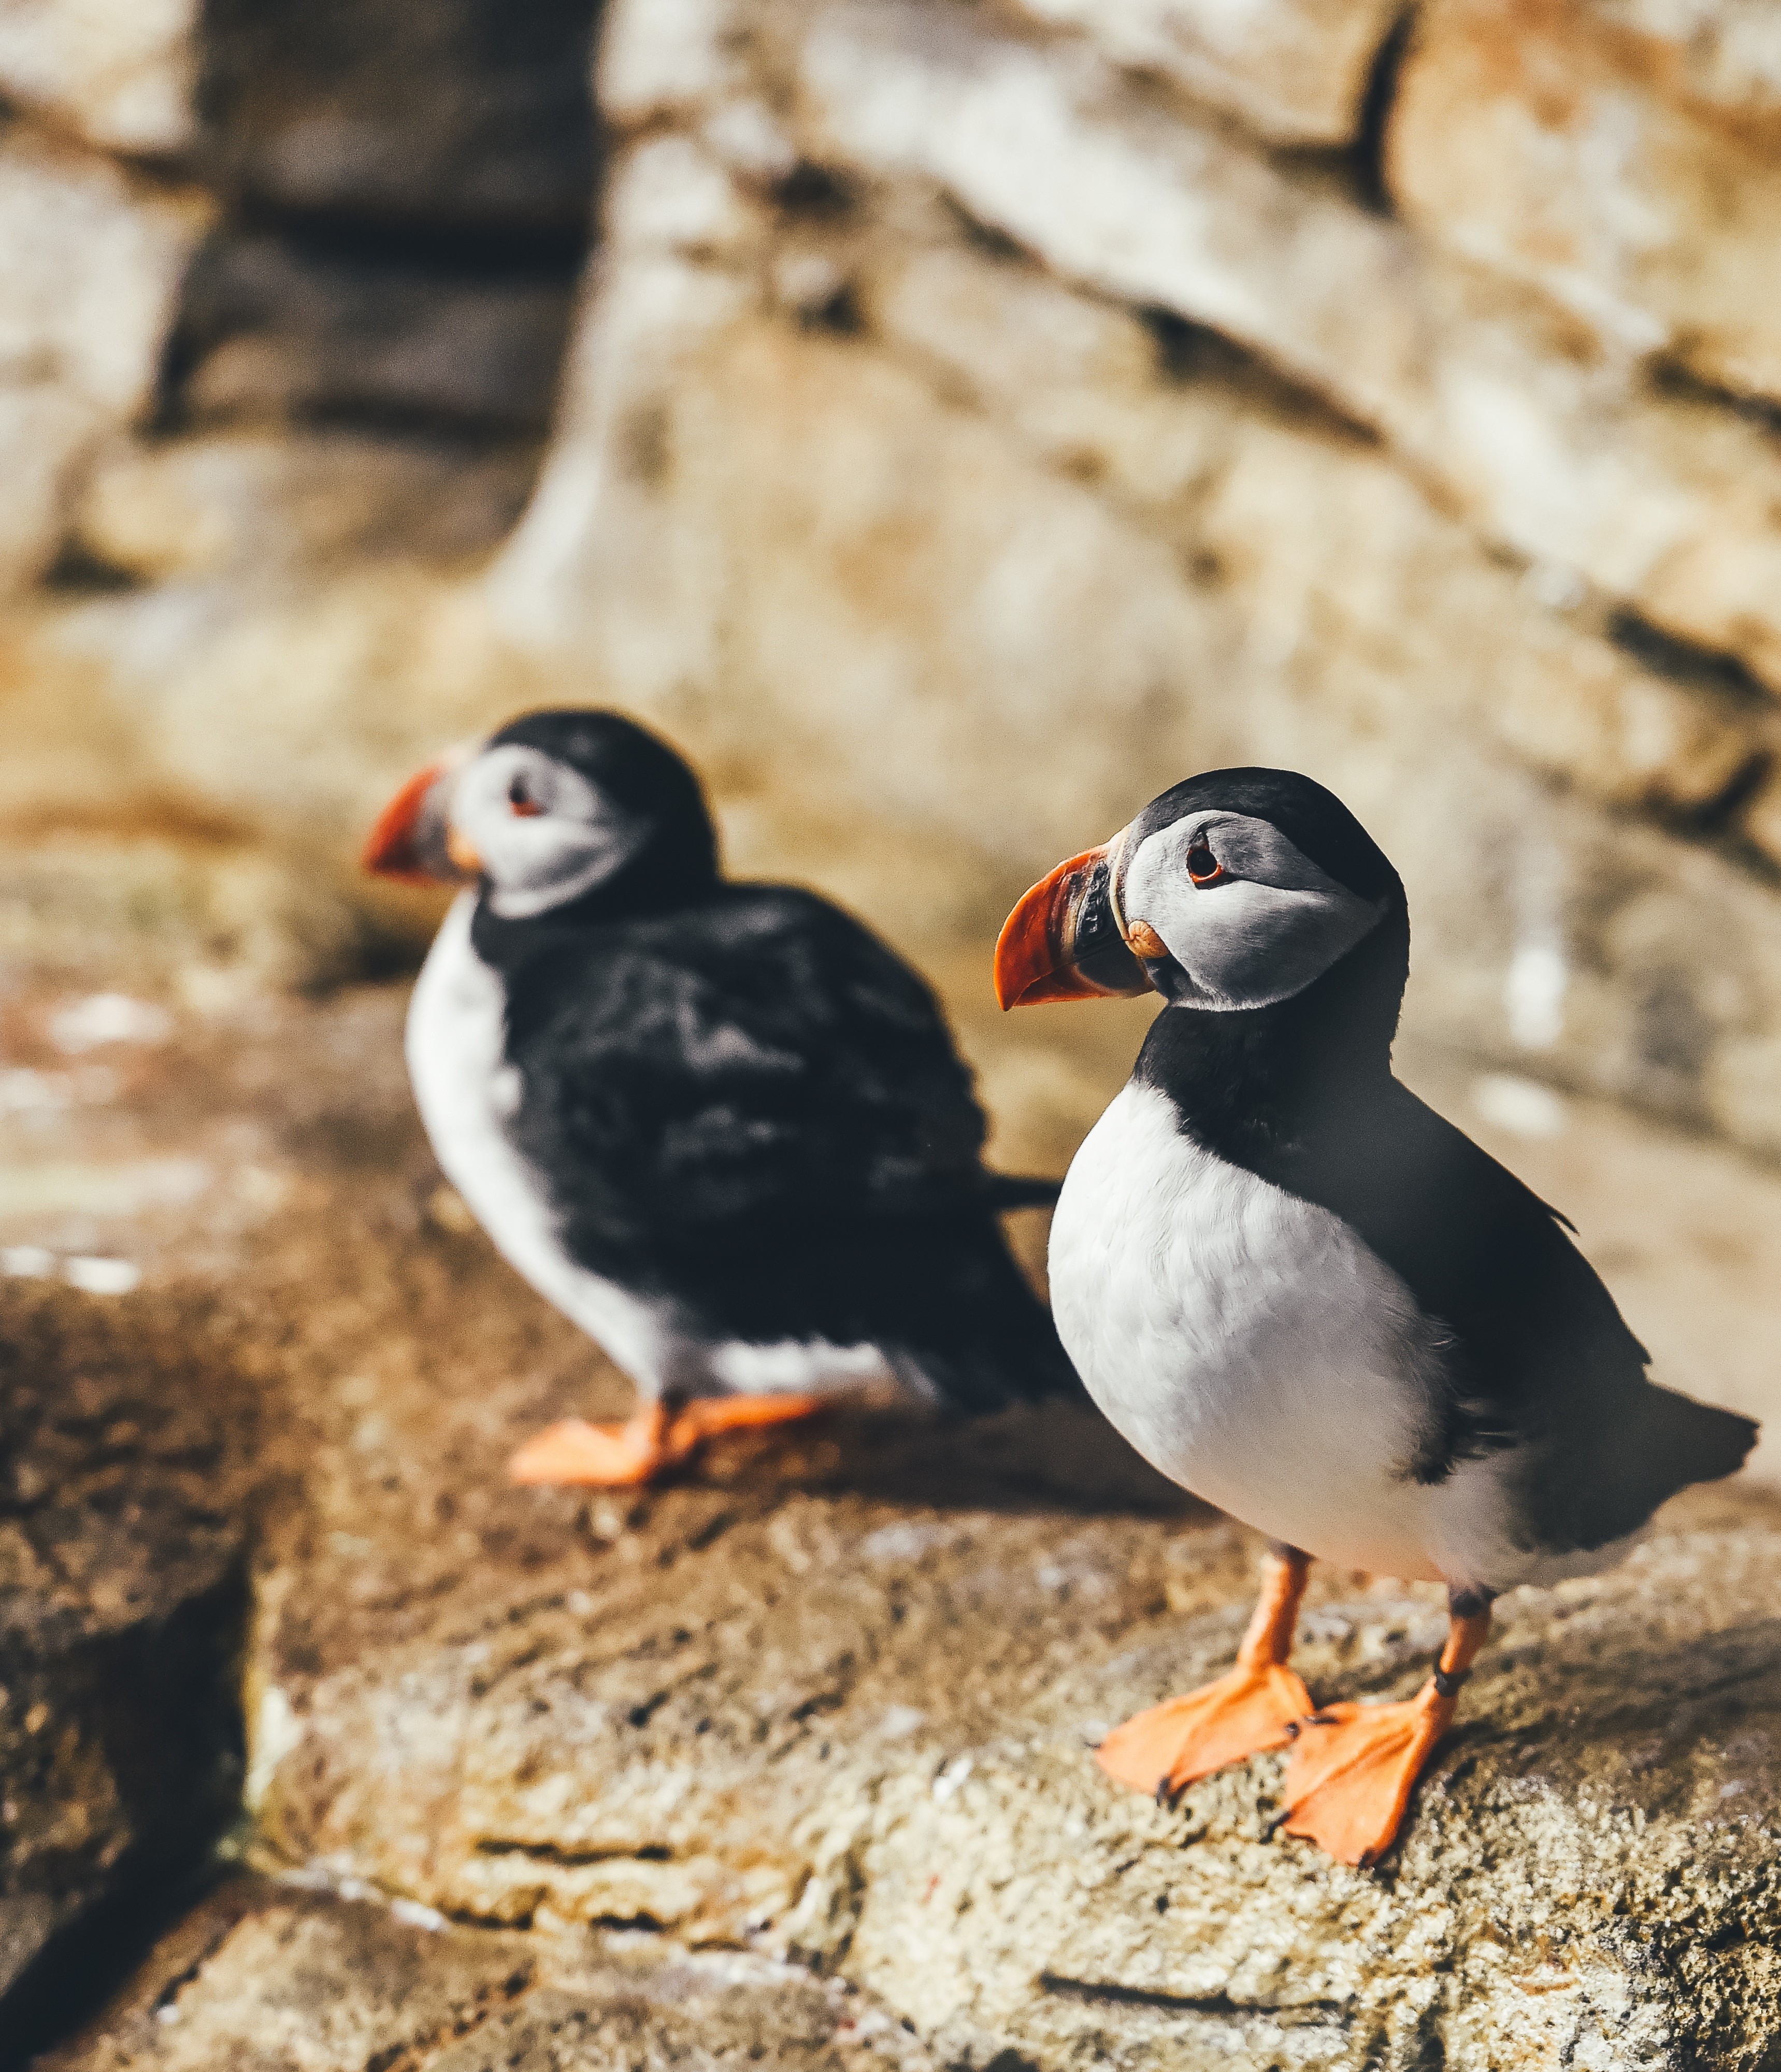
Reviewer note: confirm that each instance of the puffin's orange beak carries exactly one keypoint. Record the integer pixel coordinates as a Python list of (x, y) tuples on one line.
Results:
[(402, 845), (1063, 941)]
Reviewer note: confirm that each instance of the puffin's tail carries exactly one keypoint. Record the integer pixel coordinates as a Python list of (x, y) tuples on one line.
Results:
[(968, 1319), (1659, 1445), (1026, 1366), (1702, 1442)]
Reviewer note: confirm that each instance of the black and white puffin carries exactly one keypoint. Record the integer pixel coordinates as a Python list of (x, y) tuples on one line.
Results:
[(1305, 1297), (720, 1126)]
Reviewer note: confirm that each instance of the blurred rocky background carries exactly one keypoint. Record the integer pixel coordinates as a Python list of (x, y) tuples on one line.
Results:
[(950, 423)]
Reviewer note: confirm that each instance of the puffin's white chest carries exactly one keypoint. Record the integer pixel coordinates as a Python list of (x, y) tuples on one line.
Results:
[(1246, 1342), (464, 1089)]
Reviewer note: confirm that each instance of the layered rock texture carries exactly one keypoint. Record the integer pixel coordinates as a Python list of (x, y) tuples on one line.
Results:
[(792, 1763)]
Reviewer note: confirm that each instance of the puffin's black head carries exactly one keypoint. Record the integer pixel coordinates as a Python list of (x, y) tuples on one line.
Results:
[(556, 805), (1237, 889)]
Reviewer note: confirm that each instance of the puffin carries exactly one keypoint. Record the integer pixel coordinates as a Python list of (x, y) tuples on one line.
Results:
[(720, 1126), (1310, 1300)]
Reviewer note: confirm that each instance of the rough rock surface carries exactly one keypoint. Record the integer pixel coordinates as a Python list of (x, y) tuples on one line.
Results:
[(1588, 149), (832, 1701), (265, 1975), (122, 78), (724, 1714), (90, 269), (122, 1600), (1296, 71)]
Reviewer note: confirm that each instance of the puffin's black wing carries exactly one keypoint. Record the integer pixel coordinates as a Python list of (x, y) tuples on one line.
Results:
[(753, 1108), (1541, 1359)]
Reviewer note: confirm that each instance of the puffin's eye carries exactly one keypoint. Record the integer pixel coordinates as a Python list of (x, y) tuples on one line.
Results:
[(520, 798), (1203, 866)]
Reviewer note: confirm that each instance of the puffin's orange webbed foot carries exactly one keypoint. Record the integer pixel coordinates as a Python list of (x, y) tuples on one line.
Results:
[(1183, 1739), (1353, 1769), (575, 1454), (1250, 1708)]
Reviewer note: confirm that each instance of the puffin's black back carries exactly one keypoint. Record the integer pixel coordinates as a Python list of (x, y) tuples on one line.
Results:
[(1538, 1360), (746, 1104)]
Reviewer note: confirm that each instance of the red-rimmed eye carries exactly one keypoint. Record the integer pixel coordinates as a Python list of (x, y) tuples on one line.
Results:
[(1203, 866), (524, 806)]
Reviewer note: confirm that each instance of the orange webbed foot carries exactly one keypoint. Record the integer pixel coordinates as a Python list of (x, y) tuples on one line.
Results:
[(1251, 1707), (1174, 1744), (575, 1454), (1353, 1768)]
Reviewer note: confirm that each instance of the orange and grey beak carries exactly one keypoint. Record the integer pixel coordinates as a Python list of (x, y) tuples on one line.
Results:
[(412, 840), (1065, 939)]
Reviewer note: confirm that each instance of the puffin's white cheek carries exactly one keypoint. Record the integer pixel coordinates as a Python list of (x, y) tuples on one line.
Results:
[(1248, 945), (1221, 933), (1282, 943)]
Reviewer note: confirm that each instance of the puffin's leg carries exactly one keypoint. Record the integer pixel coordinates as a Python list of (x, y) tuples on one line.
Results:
[(654, 1440), (1252, 1708), (1354, 1766)]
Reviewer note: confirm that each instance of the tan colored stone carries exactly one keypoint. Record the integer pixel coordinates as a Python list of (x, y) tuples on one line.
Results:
[(836, 1696), (257, 505), (258, 1978), (1295, 71), (90, 266), (92, 263), (267, 1978), (728, 1700), (1310, 533), (1149, 204), (666, 58), (45, 432), (1761, 819), (1668, 504), (120, 73), (1549, 144), (1726, 53)]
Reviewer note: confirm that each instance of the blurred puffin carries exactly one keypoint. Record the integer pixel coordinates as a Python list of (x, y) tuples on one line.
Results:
[(1308, 1299), (721, 1127)]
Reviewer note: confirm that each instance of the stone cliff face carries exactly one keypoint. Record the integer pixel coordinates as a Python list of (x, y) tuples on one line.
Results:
[(967, 421)]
